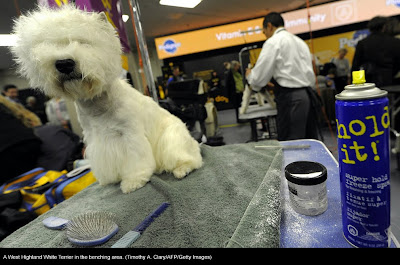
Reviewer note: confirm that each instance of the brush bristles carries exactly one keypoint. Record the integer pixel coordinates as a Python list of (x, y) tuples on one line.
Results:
[(91, 226)]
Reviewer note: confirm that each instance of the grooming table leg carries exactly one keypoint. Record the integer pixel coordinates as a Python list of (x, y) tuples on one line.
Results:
[(254, 135)]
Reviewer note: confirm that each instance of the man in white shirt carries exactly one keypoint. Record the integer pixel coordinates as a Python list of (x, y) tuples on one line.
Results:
[(287, 59)]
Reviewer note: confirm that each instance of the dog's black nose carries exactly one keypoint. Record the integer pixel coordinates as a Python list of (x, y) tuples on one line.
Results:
[(65, 66)]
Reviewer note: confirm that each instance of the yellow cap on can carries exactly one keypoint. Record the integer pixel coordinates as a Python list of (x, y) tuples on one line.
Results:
[(359, 77)]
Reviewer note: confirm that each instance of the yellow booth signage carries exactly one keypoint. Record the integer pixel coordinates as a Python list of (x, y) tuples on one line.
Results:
[(321, 17), (209, 39)]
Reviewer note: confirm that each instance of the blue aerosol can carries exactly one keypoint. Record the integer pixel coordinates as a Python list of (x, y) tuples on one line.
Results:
[(362, 117)]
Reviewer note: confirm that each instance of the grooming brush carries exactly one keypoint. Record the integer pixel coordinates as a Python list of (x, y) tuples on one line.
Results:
[(88, 229), (134, 234)]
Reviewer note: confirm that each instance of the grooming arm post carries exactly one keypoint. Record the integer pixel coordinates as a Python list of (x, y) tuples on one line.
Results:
[(143, 49)]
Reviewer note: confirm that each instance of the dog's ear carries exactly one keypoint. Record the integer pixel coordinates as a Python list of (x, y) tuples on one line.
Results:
[(103, 16)]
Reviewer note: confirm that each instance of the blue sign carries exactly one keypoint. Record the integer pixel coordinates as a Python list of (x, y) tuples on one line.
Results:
[(361, 34), (170, 46), (393, 2)]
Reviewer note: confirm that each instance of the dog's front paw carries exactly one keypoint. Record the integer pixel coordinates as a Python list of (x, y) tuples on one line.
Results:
[(182, 171), (128, 185)]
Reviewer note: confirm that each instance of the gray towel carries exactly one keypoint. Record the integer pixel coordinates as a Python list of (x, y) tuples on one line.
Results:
[(233, 201)]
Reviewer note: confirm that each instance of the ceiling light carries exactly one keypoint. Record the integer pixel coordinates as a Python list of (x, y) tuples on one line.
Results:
[(8, 40), (180, 3), (125, 18)]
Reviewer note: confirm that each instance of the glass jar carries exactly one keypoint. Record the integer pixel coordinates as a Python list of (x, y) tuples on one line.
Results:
[(307, 187)]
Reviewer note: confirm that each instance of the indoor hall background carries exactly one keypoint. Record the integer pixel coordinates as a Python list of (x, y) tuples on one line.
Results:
[(158, 20)]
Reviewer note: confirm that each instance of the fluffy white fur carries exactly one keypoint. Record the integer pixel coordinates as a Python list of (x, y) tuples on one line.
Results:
[(260, 97), (128, 136)]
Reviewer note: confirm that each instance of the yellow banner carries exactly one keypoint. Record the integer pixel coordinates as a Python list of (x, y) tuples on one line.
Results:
[(321, 17), (209, 39), (326, 48)]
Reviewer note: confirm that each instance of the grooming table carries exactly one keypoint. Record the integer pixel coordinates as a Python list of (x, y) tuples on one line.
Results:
[(256, 112), (239, 198), (232, 201), (324, 230)]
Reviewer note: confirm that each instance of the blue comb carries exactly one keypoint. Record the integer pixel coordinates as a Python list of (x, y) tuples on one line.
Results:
[(134, 234)]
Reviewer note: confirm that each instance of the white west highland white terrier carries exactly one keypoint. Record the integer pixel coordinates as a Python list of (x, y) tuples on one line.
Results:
[(74, 54)]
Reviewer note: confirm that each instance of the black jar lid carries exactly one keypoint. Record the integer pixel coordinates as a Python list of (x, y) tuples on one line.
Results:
[(305, 173)]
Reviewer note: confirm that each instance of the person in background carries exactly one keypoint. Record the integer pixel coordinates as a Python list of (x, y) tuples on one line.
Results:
[(31, 105), (11, 93), (342, 77), (227, 78), (176, 75), (214, 82), (330, 79), (287, 59), (378, 54), (57, 114), (237, 76), (326, 85), (392, 28), (238, 86), (19, 146), (228, 83)]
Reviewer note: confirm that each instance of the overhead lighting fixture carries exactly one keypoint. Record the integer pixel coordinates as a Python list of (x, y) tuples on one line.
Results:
[(180, 3), (125, 18), (8, 40)]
